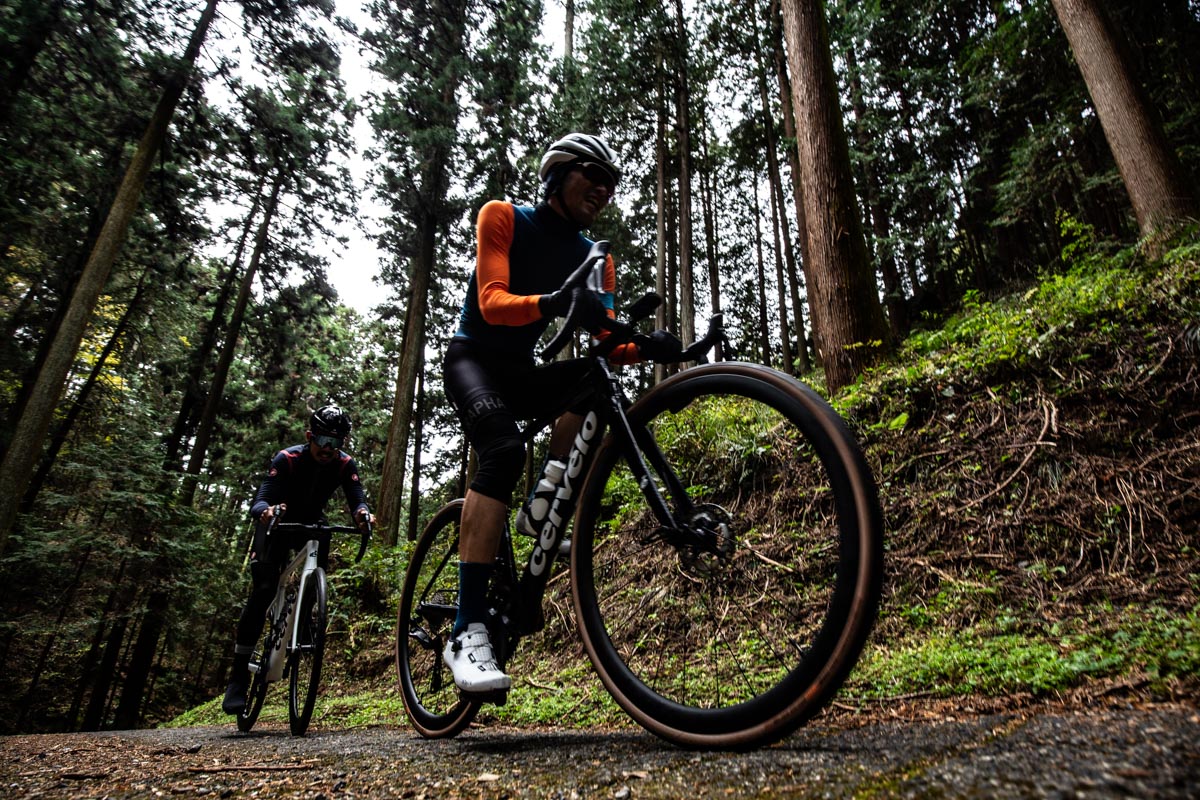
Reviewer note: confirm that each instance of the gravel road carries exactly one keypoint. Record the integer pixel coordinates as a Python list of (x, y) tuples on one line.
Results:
[(1143, 751)]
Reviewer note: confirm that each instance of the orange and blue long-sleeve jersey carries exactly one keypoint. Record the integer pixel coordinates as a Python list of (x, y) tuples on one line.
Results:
[(523, 253)]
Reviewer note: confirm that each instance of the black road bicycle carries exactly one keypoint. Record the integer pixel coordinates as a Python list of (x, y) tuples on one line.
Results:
[(725, 564), (293, 647)]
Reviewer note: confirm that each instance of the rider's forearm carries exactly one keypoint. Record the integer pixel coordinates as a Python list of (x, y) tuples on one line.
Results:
[(499, 307), (494, 237)]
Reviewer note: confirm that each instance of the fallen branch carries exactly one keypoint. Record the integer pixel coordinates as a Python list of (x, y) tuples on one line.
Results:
[(253, 768), (1050, 415)]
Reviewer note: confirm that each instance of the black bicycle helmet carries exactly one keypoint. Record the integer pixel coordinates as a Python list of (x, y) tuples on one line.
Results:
[(330, 421), (576, 148)]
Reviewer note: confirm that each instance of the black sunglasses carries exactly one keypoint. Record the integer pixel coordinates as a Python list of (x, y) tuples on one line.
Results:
[(321, 440), (598, 176)]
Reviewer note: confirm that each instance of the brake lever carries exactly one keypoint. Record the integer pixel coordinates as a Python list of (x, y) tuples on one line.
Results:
[(578, 278), (697, 351), (362, 547), (276, 515)]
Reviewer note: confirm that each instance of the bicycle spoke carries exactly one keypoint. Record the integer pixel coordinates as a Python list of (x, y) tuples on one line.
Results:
[(428, 606), (715, 625)]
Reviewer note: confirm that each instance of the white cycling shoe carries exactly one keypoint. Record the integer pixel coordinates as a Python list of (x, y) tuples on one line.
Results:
[(473, 662)]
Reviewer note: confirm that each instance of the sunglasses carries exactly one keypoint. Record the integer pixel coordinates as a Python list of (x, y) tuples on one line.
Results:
[(335, 442), (598, 176)]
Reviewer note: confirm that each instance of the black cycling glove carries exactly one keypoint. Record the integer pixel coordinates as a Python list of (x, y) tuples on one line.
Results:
[(555, 304), (590, 311), (662, 347), (589, 314)]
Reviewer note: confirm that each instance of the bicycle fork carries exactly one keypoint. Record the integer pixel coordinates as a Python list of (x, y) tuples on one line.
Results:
[(307, 574)]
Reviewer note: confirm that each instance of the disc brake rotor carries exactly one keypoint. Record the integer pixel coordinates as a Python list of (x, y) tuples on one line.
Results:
[(710, 542)]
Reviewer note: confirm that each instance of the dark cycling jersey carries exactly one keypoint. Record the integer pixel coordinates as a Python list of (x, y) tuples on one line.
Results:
[(297, 479)]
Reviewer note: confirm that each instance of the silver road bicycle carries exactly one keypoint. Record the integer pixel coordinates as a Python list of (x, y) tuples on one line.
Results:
[(293, 647)]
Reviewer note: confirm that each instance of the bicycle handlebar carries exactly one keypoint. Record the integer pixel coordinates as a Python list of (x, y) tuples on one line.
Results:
[(577, 280), (316, 527), (620, 333)]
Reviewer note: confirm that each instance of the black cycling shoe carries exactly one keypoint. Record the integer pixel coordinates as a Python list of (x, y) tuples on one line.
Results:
[(235, 698)]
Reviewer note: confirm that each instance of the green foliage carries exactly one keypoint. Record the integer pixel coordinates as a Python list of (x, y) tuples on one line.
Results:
[(1033, 657), (547, 697), (994, 339)]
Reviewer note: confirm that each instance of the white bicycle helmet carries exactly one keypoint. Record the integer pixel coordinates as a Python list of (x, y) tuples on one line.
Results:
[(578, 148)]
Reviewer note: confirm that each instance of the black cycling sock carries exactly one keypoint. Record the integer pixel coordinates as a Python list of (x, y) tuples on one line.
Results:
[(472, 594), (241, 667)]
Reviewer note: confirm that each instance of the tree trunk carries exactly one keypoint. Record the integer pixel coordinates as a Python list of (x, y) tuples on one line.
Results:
[(778, 217), (428, 215), (64, 288), (893, 289), (93, 718), (216, 389), (88, 669), (64, 428), (1147, 163), (709, 207), (412, 360), (31, 429), (764, 328), (847, 317), (193, 393), (709, 210), (141, 660), (804, 363), (464, 467), (569, 31), (785, 336), (414, 496), (687, 301), (67, 604), (43, 19), (660, 257)]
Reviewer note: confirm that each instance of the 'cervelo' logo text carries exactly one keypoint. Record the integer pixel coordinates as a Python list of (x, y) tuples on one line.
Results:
[(562, 497)]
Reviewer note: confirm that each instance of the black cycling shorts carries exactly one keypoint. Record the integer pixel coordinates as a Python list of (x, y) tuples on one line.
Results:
[(490, 392)]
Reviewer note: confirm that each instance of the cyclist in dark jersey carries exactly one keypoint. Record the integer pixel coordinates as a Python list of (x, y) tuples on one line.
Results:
[(524, 254), (300, 482)]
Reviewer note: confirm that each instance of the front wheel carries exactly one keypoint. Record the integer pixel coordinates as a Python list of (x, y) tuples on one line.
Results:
[(428, 608), (733, 626), (258, 684), (308, 653)]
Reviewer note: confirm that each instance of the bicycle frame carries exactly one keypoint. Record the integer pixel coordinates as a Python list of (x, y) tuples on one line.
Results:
[(282, 611), (606, 414)]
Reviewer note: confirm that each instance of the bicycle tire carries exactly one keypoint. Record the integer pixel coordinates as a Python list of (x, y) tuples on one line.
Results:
[(428, 607), (258, 686), (309, 654), (734, 638)]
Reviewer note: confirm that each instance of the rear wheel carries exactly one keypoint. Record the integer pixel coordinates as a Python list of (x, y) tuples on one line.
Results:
[(308, 654), (733, 627), (428, 607)]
